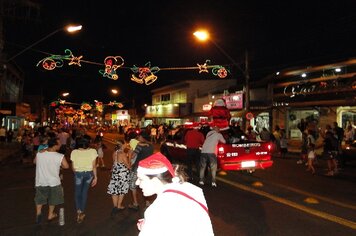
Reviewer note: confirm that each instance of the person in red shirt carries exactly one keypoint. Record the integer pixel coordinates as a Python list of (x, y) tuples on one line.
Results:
[(193, 139)]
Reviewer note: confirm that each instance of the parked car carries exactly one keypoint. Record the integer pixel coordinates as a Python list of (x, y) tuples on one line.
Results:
[(237, 154)]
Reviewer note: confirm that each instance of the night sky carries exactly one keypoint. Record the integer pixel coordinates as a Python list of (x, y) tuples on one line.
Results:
[(276, 34)]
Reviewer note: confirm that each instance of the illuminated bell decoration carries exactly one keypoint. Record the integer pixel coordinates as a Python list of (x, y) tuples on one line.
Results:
[(144, 74), (86, 107), (147, 80)]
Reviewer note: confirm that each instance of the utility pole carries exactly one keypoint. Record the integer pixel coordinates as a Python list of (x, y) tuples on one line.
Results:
[(247, 84)]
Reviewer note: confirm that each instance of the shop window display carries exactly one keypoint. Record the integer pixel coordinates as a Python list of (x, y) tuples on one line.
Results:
[(301, 120)]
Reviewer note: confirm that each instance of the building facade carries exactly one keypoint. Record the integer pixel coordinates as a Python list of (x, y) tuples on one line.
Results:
[(313, 97), (177, 103)]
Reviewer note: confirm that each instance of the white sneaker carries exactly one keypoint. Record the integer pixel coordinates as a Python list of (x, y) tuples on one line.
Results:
[(201, 182), (213, 184)]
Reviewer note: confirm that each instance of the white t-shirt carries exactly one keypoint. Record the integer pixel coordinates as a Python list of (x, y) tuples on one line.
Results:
[(47, 168), (212, 139), (176, 215)]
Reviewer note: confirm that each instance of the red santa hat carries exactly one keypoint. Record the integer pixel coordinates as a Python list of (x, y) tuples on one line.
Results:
[(155, 164)]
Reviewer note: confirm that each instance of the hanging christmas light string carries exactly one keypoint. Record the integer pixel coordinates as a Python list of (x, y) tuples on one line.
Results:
[(141, 75)]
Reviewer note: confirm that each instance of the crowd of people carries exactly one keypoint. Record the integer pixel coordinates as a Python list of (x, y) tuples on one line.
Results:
[(329, 139), (134, 165)]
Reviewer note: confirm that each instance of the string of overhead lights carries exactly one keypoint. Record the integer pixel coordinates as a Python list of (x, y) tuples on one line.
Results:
[(140, 74)]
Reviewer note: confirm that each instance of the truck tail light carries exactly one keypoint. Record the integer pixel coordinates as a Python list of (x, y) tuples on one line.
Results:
[(221, 150), (269, 146)]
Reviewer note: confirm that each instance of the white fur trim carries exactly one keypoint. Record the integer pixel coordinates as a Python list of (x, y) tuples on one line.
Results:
[(147, 171)]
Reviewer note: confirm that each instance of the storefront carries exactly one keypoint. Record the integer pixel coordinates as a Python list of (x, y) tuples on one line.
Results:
[(170, 114), (313, 97)]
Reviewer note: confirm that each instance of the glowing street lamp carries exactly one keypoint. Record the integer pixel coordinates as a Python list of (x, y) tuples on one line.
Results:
[(202, 35), (114, 91), (65, 94), (69, 28)]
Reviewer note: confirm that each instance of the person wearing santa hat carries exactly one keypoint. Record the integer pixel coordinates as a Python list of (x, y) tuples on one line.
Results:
[(180, 207), (220, 114)]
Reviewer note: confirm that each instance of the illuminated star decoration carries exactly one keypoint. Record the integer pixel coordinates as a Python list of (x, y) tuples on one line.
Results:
[(62, 102), (112, 63), (203, 67), (144, 74), (54, 61), (75, 61), (219, 71)]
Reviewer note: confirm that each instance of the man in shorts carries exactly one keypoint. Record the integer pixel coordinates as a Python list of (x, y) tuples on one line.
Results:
[(48, 183)]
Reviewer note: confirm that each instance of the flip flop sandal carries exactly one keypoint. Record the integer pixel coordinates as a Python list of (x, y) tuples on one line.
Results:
[(55, 216)]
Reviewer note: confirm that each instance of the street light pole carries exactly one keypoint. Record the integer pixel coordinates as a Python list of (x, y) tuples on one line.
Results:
[(68, 28), (247, 84)]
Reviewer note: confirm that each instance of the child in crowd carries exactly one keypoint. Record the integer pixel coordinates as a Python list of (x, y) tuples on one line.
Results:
[(311, 151), (100, 149)]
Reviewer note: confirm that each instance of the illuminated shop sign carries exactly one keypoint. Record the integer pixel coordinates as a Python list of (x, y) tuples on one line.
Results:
[(206, 107), (167, 110), (234, 101), (308, 88), (122, 114)]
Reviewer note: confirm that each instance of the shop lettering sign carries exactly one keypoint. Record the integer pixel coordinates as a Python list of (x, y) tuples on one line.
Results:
[(234, 101), (166, 110), (206, 107), (305, 88)]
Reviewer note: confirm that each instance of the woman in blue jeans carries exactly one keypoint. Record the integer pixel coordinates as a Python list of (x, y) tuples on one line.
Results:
[(84, 167)]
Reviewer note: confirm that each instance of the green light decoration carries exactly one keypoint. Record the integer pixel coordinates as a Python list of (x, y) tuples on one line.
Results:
[(56, 61), (141, 75), (219, 71)]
